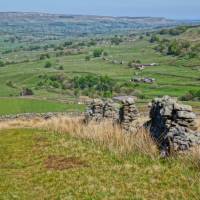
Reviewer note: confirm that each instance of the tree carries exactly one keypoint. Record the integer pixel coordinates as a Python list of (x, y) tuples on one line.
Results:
[(174, 48), (154, 38), (116, 40)]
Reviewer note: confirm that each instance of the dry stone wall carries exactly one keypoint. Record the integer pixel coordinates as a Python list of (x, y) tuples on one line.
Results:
[(95, 110), (111, 110), (128, 114), (30, 116), (173, 125), (99, 110), (124, 113)]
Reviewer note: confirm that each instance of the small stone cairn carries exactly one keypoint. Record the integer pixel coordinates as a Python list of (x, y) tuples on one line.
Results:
[(173, 125)]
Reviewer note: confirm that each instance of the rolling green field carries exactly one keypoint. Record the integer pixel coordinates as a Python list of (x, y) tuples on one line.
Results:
[(170, 79), (41, 165), (175, 76), (16, 106)]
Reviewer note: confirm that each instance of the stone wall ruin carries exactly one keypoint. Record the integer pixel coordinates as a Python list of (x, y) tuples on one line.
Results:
[(173, 125), (123, 113)]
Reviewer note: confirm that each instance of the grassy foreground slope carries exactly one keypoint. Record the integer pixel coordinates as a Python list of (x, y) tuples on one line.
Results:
[(42, 165)]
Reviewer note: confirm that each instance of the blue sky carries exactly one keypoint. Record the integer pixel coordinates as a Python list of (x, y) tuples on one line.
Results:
[(176, 9)]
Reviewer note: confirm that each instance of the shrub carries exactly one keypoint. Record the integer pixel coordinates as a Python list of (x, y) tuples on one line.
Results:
[(174, 48), (191, 95), (97, 53), (1, 63), (174, 31), (26, 92), (44, 56), (92, 43), (90, 84), (116, 40), (87, 58), (67, 43), (48, 64), (60, 67), (10, 84), (154, 38)]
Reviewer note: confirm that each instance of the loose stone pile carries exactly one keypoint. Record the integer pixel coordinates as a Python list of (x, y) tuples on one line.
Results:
[(128, 114), (173, 125)]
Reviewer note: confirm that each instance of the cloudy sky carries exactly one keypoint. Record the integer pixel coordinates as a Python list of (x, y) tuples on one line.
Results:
[(176, 9)]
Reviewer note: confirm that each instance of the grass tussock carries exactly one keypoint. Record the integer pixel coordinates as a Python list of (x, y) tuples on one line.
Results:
[(106, 134), (192, 157), (198, 124)]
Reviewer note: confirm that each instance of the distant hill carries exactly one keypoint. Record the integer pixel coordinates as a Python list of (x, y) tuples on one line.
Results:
[(56, 25)]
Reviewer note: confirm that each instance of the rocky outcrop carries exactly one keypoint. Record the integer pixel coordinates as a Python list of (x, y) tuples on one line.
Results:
[(173, 125)]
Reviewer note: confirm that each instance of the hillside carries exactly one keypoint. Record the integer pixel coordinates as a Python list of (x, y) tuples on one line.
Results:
[(76, 120), (63, 69), (58, 26)]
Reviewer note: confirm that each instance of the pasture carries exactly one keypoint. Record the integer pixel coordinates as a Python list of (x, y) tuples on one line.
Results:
[(175, 76), (38, 164), (11, 106)]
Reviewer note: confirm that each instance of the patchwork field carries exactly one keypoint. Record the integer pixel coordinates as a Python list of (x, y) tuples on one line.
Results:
[(172, 77)]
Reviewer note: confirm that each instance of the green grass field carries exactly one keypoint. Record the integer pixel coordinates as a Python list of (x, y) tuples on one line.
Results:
[(41, 165), (171, 79), (16, 106), (174, 76)]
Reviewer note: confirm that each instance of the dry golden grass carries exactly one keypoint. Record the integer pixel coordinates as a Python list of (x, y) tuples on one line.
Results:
[(104, 133), (192, 156), (198, 124)]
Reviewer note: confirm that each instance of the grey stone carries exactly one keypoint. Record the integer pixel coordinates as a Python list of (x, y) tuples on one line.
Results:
[(173, 124), (186, 115), (181, 107)]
